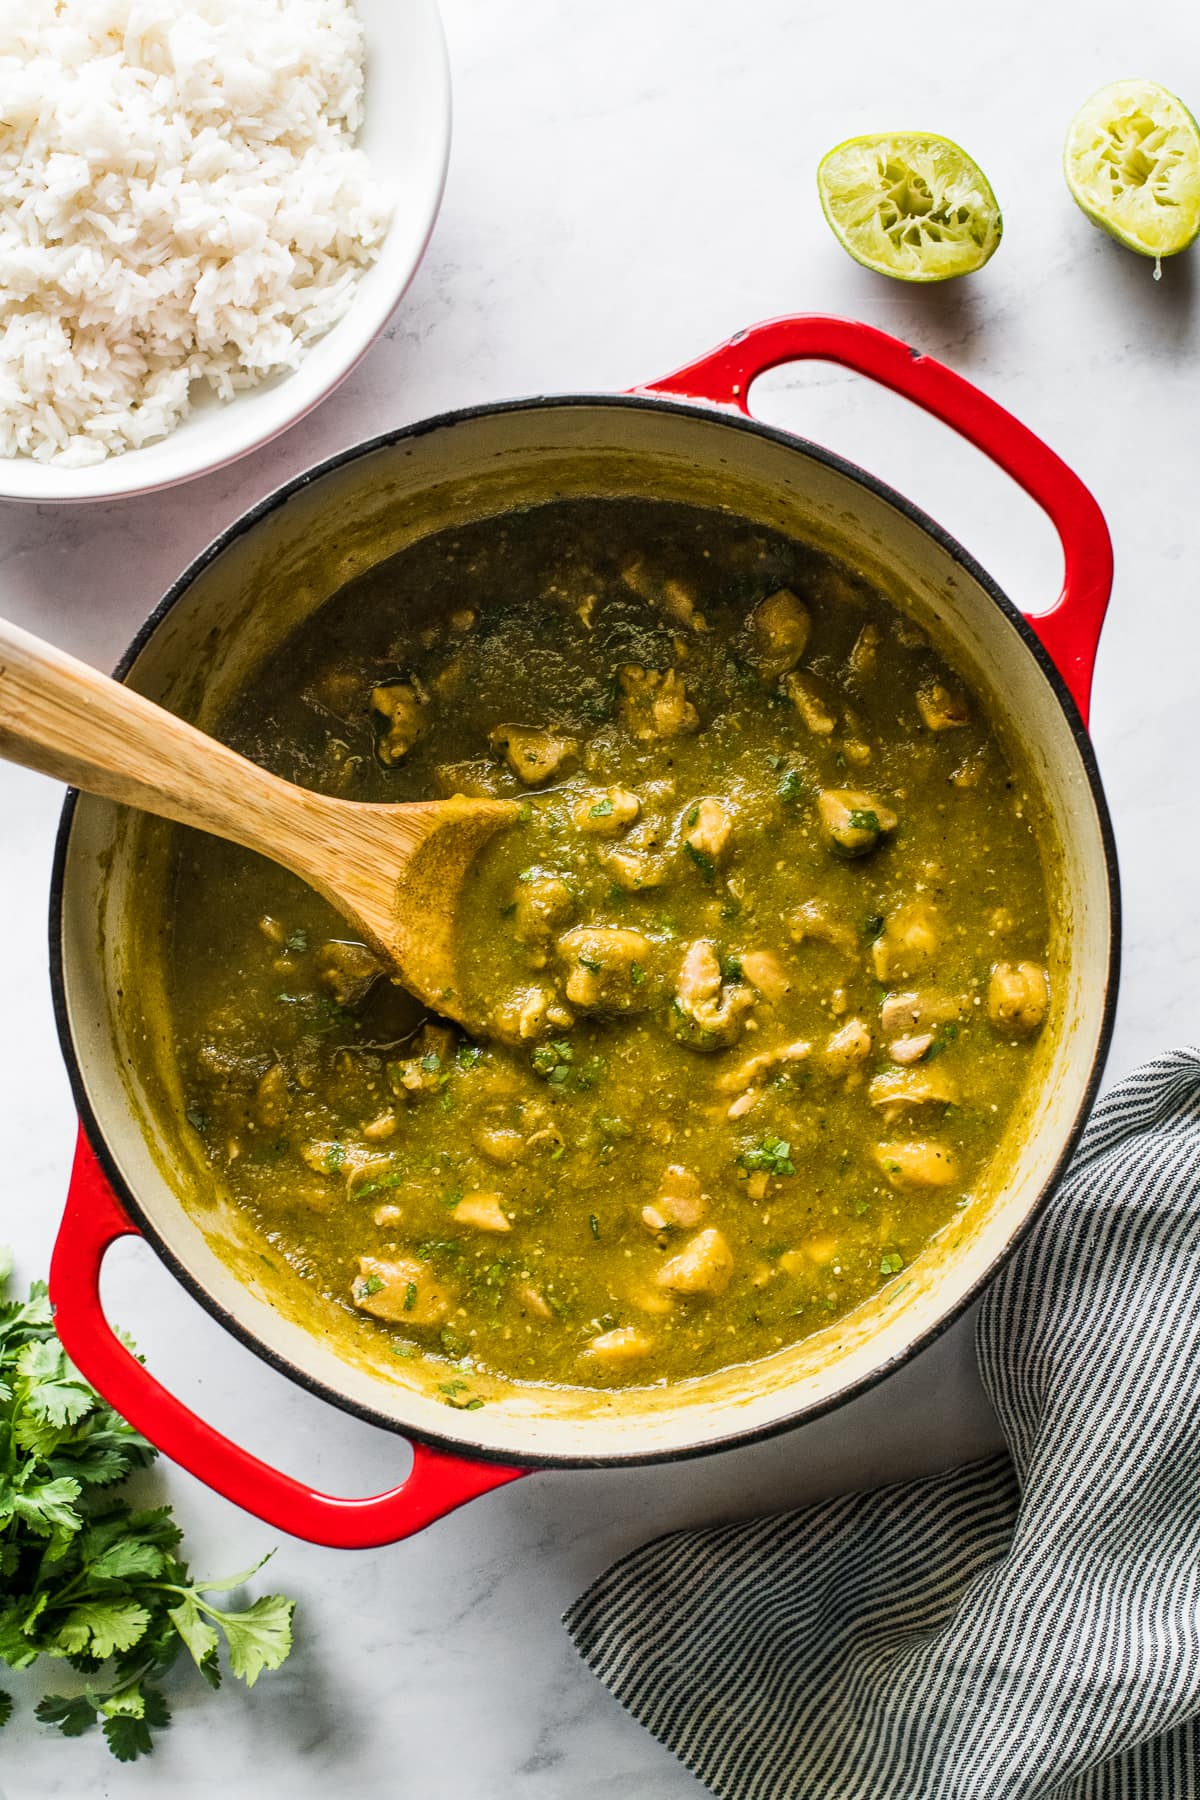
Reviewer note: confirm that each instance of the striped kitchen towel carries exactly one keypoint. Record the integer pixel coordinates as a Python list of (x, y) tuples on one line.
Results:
[(1026, 1626)]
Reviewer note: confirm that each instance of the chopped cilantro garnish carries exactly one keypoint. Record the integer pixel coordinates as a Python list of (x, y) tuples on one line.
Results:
[(731, 968), (944, 1035), (891, 1262), (702, 860), (370, 1284), (297, 941), (594, 1226), (335, 1157), (524, 812), (860, 819), (410, 1296), (468, 1055), (792, 786), (552, 1060), (439, 1249), (431, 1063), (637, 974), (773, 1155), (692, 817), (590, 962), (601, 810)]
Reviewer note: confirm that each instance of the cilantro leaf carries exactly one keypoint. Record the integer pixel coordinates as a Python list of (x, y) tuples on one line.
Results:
[(100, 1628), (128, 1738), (199, 1637), (258, 1638), (6, 1707), (83, 1576), (73, 1715)]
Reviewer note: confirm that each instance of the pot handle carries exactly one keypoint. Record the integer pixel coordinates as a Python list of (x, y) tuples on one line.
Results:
[(1070, 631), (92, 1221)]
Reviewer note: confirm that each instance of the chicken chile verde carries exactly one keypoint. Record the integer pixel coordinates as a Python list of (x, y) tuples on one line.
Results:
[(764, 955)]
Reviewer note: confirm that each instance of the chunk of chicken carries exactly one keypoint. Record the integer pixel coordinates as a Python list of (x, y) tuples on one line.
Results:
[(847, 1048), (1017, 998), (865, 654), (655, 705), (625, 1343), (969, 772), (708, 828), (920, 1163), (528, 1013), (422, 1071), (854, 821), (919, 1009), (909, 941), (706, 1013), (815, 921), (501, 1144), (347, 971), (634, 870), (703, 1266), (812, 703), (817, 1251), (476, 778), (606, 812), (481, 1208), (666, 593), (778, 631), (897, 1091), (448, 681), (907, 1050), (531, 1301), (764, 971), (533, 756), (747, 1079), (383, 1125), (404, 1291), (678, 1203), (606, 967), (406, 712), (271, 1104), (543, 905), (940, 708)]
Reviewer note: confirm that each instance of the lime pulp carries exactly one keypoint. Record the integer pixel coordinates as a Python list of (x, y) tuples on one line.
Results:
[(909, 205), (1132, 162)]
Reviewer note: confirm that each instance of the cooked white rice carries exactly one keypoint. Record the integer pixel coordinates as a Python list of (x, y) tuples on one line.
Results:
[(181, 201)]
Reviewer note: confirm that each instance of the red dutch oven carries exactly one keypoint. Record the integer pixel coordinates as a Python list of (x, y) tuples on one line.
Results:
[(688, 437)]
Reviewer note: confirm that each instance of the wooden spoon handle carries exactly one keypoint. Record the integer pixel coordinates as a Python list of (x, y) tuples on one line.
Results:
[(67, 720)]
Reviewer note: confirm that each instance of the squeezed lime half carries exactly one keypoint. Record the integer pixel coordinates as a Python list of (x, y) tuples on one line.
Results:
[(911, 205), (1132, 162)]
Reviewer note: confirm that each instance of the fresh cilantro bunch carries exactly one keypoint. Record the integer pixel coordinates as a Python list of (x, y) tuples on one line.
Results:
[(85, 1577)]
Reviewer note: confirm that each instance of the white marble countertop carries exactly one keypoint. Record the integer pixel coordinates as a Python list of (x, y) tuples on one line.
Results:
[(629, 184)]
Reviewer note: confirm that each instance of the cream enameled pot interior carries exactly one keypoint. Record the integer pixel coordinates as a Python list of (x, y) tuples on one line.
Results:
[(241, 606)]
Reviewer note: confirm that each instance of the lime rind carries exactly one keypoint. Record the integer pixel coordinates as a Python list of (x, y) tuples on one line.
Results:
[(910, 205), (1132, 163)]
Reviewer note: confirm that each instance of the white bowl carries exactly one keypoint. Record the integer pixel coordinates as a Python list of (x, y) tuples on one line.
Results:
[(406, 134)]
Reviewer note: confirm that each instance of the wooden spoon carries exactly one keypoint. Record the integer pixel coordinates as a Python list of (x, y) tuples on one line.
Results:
[(395, 873)]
